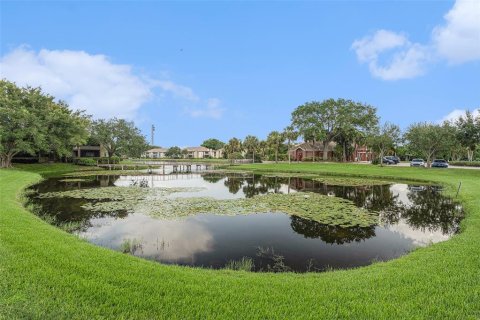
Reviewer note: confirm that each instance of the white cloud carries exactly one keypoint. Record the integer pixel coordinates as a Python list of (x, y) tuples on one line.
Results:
[(177, 90), (212, 110), (407, 61), (85, 81), (95, 84), (369, 47), (457, 113), (457, 41)]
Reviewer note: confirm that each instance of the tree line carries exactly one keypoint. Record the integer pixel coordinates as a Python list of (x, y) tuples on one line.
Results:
[(351, 124), (33, 123)]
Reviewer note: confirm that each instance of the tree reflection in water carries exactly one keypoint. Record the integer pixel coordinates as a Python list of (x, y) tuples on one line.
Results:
[(429, 210), (330, 234), (423, 207)]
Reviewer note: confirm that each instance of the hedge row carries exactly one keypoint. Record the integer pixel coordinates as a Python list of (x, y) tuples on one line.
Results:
[(465, 163)]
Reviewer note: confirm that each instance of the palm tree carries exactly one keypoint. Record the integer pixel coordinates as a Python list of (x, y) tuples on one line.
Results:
[(274, 140), (233, 147), (251, 145), (291, 135)]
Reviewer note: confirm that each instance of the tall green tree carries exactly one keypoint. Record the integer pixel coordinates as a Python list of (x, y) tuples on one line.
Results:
[(429, 139), (384, 138), (251, 145), (325, 121), (213, 144), (233, 148), (118, 137), (173, 152), (290, 135), (19, 130), (32, 122), (65, 129), (468, 133), (274, 141)]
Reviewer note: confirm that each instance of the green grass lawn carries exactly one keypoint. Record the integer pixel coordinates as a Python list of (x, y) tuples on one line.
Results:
[(46, 273)]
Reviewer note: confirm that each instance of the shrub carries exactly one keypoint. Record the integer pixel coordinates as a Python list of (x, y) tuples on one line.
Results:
[(465, 163), (105, 160), (86, 162), (375, 161)]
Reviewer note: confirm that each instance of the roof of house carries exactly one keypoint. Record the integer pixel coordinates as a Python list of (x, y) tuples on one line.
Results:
[(198, 149), (310, 146), (157, 150), (95, 148)]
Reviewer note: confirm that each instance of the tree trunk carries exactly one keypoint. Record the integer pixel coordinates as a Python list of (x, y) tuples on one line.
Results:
[(429, 159), (381, 157), (288, 151), (7, 160), (325, 150), (253, 156), (276, 156), (470, 154), (313, 148), (344, 152)]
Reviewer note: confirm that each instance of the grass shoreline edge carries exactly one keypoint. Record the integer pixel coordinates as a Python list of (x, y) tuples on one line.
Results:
[(270, 296)]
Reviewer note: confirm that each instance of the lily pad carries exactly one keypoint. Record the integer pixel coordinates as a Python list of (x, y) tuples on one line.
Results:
[(317, 207)]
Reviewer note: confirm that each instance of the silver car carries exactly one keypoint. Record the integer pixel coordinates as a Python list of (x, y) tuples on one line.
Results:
[(417, 163)]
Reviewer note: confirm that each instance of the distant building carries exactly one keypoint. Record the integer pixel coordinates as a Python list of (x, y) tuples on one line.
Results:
[(203, 152), (192, 152), (305, 151), (92, 151), (155, 153)]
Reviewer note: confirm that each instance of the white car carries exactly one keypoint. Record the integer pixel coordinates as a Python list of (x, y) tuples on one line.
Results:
[(417, 163)]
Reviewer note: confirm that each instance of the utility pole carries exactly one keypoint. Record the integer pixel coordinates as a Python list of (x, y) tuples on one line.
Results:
[(152, 133)]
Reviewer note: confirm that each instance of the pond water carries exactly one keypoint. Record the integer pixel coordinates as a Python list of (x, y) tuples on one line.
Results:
[(409, 216)]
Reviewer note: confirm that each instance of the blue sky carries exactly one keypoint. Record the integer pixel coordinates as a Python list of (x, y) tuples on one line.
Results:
[(216, 69)]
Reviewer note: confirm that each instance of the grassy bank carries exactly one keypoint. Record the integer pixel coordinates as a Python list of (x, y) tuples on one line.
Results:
[(46, 273)]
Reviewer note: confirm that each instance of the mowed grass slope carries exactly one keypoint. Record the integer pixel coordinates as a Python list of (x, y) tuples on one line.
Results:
[(46, 273)]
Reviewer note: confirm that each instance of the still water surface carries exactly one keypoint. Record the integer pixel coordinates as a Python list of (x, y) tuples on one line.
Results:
[(410, 216)]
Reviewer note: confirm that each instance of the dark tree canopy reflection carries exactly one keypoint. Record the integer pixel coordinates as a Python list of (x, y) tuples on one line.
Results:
[(429, 210), (330, 234)]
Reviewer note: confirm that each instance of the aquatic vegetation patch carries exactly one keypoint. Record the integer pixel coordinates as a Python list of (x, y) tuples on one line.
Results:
[(350, 182), (312, 206), (244, 264), (127, 194), (73, 180)]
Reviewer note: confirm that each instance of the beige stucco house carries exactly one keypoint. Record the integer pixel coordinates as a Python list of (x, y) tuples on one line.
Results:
[(155, 153), (192, 152)]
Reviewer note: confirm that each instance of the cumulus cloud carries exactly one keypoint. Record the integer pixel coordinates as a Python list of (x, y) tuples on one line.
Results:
[(457, 41), (85, 81), (407, 61), (457, 113), (95, 84), (212, 110), (177, 90)]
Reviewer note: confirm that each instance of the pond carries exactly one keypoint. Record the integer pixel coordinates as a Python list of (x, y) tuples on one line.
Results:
[(212, 219)]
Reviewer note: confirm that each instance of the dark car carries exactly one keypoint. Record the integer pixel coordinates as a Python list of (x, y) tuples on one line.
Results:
[(439, 163), (385, 160), (394, 159)]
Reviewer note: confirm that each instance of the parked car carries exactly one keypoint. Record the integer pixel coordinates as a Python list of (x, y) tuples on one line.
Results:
[(439, 163), (385, 160), (394, 159), (417, 163)]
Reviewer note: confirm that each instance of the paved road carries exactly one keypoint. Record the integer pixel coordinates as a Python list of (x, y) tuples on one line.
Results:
[(407, 164)]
